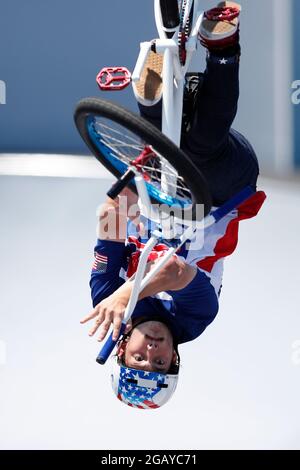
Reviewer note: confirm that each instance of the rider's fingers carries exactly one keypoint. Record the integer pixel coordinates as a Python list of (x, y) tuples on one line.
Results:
[(117, 326), (98, 322), (141, 229), (104, 328), (90, 316), (128, 326)]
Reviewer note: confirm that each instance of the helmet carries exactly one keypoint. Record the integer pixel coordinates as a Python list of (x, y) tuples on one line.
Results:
[(140, 388)]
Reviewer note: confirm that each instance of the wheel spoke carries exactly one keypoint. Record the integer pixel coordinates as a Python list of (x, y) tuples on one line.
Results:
[(126, 147), (131, 137)]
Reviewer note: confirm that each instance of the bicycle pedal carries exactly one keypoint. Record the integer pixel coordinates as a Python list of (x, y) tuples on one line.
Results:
[(113, 78)]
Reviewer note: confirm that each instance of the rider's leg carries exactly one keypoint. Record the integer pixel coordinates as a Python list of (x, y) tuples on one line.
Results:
[(152, 114), (215, 109), (221, 38), (217, 99), (224, 156), (148, 90)]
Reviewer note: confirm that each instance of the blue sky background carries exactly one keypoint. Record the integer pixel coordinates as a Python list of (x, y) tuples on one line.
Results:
[(50, 53)]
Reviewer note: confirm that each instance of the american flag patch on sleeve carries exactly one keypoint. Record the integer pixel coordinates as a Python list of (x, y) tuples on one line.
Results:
[(100, 263)]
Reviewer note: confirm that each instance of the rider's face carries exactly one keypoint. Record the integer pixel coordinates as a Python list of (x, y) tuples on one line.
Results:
[(150, 347)]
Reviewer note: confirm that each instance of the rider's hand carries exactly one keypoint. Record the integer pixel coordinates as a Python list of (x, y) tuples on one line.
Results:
[(132, 198), (110, 311)]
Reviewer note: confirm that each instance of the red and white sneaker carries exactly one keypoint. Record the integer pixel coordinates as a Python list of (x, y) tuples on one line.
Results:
[(220, 26)]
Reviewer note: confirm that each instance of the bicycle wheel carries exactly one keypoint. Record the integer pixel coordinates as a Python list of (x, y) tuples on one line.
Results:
[(119, 138), (170, 13)]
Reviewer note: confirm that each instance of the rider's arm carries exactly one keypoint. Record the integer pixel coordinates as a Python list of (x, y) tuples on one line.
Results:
[(197, 304), (175, 275), (113, 214), (110, 251)]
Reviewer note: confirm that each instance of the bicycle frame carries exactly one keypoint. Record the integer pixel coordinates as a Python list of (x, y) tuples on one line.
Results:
[(173, 78), (173, 72), (140, 281)]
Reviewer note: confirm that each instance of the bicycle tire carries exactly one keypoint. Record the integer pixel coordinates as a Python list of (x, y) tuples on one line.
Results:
[(170, 13), (89, 108)]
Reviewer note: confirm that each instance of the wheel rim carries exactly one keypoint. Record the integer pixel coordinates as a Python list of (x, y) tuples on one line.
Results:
[(120, 147)]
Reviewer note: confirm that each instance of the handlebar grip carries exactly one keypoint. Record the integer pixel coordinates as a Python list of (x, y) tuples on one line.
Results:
[(233, 203), (120, 184), (109, 346)]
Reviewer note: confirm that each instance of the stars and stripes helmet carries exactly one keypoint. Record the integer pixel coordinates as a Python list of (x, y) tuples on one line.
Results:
[(139, 388)]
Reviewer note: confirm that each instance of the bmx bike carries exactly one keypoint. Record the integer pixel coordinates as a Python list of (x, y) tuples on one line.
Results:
[(145, 159)]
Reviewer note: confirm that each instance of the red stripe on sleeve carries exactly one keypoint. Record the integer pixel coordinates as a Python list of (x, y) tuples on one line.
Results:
[(226, 245)]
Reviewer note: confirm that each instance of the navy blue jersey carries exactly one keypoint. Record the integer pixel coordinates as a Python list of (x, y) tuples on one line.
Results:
[(188, 311)]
